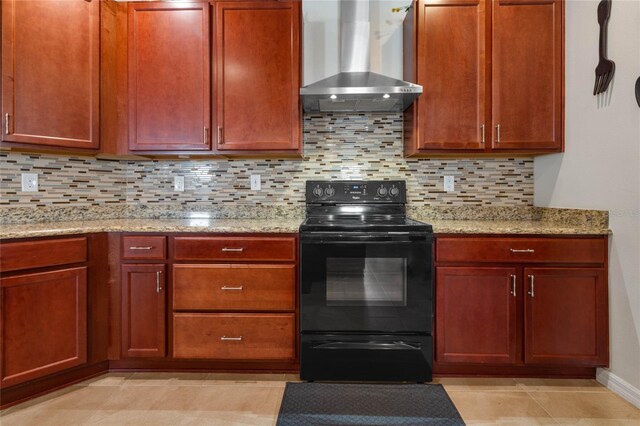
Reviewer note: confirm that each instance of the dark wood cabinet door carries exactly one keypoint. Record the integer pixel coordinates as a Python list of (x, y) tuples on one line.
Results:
[(143, 310), (528, 86), (43, 324), (50, 72), (257, 75), (476, 318), (566, 316), (452, 69), (169, 77)]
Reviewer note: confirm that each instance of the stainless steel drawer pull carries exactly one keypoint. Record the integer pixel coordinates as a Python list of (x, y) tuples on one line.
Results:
[(522, 250), (227, 288), (513, 285), (241, 249), (532, 286), (220, 140), (482, 130), (141, 248), (6, 124), (498, 133), (158, 286), (231, 339)]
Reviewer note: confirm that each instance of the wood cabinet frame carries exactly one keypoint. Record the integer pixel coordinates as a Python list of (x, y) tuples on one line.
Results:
[(416, 60)]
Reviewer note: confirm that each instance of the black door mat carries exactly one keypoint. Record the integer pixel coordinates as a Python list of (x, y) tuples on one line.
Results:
[(366, 404)]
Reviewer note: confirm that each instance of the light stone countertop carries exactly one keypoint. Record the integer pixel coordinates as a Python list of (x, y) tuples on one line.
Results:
[(286, 225)]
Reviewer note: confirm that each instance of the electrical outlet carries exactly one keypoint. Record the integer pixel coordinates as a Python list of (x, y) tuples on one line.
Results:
[(29, 182), (256, 183), (178, 183), (449, 183)]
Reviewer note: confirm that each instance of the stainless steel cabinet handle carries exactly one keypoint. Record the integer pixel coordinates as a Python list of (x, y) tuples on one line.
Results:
[(220, 141), (205, 136), (522, 250), (482, 134), (513, 285), (232, 339), (532, 286), (141, 248), (498, 133), (241, 249), (227, 288), (6, 123), (158, 286)]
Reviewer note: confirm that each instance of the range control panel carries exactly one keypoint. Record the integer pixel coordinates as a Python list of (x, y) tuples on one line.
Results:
[(356, 191)]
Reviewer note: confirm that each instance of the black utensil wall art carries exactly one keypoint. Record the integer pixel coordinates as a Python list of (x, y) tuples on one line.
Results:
[(638, 91), (606, 68)]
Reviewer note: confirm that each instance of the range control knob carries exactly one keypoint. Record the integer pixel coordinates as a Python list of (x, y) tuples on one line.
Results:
[(317, 191), (329, 192), (382, 191), (394, 191)]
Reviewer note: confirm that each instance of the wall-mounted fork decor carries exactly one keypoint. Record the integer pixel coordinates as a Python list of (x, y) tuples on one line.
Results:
[(606, 67)]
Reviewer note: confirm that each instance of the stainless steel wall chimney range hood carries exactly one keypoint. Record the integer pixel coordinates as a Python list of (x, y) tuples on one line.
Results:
[(356, 88)]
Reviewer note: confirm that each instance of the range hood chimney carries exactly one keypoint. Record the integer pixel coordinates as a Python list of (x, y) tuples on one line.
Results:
[(356, 88)]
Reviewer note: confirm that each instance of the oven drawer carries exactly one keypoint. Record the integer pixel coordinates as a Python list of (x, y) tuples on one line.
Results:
[(234, 287), (234, 336), (142, 247), (394, 357), (520, 250), (235, 248)]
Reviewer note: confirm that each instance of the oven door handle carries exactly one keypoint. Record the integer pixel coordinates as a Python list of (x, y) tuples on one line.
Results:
[(369, 345)]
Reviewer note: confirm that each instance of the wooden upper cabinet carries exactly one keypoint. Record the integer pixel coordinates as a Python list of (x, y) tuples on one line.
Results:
[(566, 316), (50, 72), (528, 74), (257, 76), (169, 76), (452, 70), (493, 76)]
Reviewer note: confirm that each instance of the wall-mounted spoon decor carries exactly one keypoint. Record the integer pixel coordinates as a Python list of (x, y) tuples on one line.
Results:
[(638, 91), (606, 67)]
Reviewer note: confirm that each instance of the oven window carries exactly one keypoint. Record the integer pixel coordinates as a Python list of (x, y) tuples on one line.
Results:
[(371, 281)]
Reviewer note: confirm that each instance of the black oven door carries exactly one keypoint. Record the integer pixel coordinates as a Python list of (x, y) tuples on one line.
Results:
[(366, 283)]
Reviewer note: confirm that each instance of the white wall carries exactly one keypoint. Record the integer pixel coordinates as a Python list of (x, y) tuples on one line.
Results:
[(321, 38), (601, 166)]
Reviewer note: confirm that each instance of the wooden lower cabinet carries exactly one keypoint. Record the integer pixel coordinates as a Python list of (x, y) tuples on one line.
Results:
[(234, 336), (476, 309), (521, 305), (143, 310), (566, 316), (43, 323)]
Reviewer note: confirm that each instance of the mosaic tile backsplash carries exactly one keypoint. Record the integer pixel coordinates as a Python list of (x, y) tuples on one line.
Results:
[(336, 146)]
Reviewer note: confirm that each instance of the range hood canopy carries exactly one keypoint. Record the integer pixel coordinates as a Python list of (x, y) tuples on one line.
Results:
[(356, 88)]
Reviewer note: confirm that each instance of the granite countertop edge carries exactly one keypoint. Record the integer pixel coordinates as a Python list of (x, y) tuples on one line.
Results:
[(284, 226)]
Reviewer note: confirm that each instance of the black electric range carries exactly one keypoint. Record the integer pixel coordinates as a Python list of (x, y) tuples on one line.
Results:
[(366, 287)]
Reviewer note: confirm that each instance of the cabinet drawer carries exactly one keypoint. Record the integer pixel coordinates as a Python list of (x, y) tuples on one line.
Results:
[(234, 287), (231, 336), (235, 248), (43, 253), (521, 250), (144, 247)]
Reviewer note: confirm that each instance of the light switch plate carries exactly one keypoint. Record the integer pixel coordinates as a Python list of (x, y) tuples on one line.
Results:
[(178, 183), (256, 183), (29, 182)]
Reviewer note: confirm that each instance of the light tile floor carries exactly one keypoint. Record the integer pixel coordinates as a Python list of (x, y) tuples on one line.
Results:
[(237, 399)]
